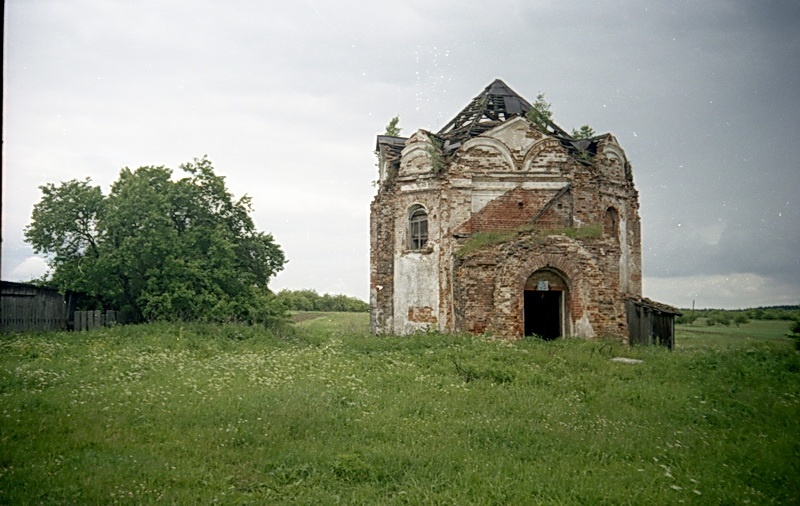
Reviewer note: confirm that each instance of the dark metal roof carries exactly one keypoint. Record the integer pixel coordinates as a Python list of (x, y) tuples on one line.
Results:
[(390, 147), (391, 141), (495, 105), (656, 306)]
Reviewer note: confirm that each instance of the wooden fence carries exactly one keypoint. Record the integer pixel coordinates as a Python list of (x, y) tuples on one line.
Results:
[(25, 307), (88, 320)]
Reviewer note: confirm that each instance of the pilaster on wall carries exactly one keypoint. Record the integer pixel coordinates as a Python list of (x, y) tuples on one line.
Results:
[(382, 218)]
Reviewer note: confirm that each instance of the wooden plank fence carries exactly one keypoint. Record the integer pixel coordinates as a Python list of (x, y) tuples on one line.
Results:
[(88, 320), (25, 307), (29, 308)]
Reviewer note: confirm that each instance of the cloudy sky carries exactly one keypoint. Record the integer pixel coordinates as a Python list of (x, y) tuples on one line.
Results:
[(286, 99)]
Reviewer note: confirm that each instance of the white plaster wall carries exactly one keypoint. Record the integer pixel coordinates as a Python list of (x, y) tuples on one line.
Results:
[(515, 134), (583, 327), (416, 281), (480, 198)]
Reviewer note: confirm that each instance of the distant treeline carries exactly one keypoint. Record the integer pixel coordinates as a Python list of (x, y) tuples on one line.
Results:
[(725, 317), (310, 300)]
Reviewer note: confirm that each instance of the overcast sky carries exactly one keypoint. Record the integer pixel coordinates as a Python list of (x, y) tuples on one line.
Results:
[(286, 99)]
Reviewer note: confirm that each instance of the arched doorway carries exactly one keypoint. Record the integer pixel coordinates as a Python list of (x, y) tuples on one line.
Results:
[(545, 304)]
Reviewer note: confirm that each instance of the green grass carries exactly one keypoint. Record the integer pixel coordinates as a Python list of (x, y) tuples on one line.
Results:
[(198, 414), (479, 240), (699, 334)]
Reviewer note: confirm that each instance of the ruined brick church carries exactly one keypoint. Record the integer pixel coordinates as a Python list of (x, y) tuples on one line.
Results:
[(502, 225)]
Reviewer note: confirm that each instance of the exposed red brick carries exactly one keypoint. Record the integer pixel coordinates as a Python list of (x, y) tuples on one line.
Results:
[(543, 198)]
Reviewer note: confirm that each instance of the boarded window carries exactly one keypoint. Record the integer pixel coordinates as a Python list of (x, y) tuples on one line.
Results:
[(417, 227)]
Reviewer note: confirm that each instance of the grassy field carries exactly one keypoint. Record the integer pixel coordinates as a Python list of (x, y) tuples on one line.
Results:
[(198, 414)]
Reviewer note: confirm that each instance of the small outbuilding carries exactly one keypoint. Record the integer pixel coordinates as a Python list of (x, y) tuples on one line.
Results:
[(651, 322), (26, 307)]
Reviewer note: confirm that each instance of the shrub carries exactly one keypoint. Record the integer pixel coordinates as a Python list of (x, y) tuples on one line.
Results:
[(310, 300), (794, 332), (720, 318)]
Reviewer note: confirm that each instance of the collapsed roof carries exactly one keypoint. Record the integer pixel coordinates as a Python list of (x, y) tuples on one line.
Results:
[(495, 105)]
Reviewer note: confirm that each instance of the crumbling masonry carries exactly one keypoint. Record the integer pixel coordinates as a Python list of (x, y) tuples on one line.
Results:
[(498, 225)]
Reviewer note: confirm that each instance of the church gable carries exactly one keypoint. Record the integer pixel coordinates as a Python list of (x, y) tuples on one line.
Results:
[(517, 135), (483, 155), (515, 146), (548, 155)]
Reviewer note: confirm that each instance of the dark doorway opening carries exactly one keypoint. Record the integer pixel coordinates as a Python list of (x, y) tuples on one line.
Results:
[(543, 313)]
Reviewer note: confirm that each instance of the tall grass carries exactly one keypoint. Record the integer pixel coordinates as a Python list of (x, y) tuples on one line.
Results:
[(328, 414)]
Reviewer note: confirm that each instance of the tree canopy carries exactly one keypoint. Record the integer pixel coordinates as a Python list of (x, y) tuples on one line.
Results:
[(310, 300), (158, 247)]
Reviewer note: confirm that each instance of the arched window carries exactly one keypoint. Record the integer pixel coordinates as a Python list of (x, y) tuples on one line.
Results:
[(417, 227)]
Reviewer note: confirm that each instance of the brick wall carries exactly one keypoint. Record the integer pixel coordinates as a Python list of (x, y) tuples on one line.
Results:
[(519, 177)]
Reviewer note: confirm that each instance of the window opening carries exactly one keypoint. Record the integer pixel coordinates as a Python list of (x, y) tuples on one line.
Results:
[(611, 223), (417, 228)]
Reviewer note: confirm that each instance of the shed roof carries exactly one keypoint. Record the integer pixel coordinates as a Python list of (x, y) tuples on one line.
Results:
[(656, 306)]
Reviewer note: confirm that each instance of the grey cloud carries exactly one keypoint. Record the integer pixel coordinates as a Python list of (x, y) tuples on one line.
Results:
[(286, 96)]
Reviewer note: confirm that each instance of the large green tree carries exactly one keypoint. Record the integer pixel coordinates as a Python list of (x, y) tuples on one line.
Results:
[(159, 247)]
